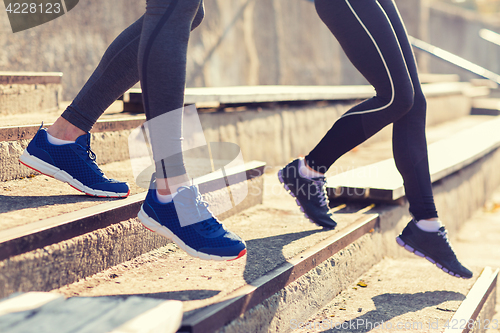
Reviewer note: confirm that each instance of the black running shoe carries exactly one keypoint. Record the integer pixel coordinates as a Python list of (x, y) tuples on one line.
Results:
[(433, 246), (310, 194)]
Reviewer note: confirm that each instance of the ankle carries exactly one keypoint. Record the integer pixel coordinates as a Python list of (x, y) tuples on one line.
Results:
[(429, 225), (164, 198), (64, 130), (169, 186), (307, 172)]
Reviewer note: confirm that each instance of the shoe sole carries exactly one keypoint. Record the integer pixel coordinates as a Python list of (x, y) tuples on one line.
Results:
[(422, 255), (285, 186), (152, 225), (47, 169)]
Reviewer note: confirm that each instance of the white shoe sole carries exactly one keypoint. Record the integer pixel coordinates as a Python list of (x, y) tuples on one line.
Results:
[(48, 169)]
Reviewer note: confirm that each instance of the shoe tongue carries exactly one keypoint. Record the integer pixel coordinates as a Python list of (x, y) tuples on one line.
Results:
[(83, 140), (188, 191)]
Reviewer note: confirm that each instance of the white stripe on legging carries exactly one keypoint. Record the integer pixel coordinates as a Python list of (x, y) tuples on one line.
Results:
[(381, 57), (64, 6)]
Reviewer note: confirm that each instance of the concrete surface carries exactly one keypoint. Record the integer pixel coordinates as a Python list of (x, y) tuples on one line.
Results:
[(53, 198), (396, 292), (157, 273), (274, 232), (24, 98), (169, 273), (286, 231), (245, 42), (418, 297), (279, 132), (459, 34), (68, 261), (21, 204)]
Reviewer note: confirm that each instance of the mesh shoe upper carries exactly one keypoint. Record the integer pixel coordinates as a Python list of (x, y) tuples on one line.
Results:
[(310, 194), (77, 159), (434, 245), (208, 236)]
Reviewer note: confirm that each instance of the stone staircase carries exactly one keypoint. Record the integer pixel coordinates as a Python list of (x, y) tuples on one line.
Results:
[(94, 251)]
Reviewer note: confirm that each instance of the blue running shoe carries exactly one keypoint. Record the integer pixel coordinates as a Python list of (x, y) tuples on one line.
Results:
[(73, 163), (310, 194), (206, 239), (433, 246)]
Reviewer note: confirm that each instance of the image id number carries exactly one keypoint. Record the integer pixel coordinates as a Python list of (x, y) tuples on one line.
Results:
[(485, 324), (33, 8)]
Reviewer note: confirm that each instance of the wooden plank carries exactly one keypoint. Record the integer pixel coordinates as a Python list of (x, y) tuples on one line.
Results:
[(165, 318), (382, 181), (28, 301), (118, 314), (263, 94), (8, 78), (464, 320), (268, 94), (486, 106)]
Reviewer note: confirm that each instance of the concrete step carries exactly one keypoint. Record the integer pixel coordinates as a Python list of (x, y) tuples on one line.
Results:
[(382, 181), (396, 295), (264, 291), (109, 142), (52, 198), (476, 244), (242, 95), (90, 234), (267, 288), (19, 214), (292, 268), (18, 238), (26, 92), (486, 106), (284, 128), (52, 313)]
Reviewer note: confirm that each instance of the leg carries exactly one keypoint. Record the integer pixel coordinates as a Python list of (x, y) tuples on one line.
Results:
[(409, 142), (116, 73), (162, 69), (59, 151), (425, 236), (173, 208), (367, 37)]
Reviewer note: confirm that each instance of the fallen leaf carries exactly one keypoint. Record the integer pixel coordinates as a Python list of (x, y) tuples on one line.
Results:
[(362, 284)]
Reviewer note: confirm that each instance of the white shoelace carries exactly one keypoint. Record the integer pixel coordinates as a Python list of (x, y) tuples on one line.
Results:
[(320, 184)]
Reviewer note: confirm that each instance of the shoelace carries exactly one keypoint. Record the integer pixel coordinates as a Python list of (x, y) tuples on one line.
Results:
[(208, 222), (92, 156), (211, 224), (444, 233), (320, 184)]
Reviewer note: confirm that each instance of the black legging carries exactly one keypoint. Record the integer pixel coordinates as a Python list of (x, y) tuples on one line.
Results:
[(152, 49), (118, 69), (373, 37)]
